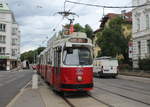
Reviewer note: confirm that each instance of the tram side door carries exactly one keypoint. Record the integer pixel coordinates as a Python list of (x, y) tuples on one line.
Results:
[(57, 60)]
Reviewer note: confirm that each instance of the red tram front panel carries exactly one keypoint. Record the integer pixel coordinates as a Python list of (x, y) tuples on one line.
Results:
[(76, 78)]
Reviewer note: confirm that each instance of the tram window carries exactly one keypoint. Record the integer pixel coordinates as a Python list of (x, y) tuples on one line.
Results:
[(84, 57), (79, 56), (71, 58)]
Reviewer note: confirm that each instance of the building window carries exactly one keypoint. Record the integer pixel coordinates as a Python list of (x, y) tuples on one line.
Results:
[(2, 50), (147, 21), (138, 24), (2, 27), (14, 52), (148, 46), (139, 48), (14, 31), (1, 5), (2, 39), (14, 41)]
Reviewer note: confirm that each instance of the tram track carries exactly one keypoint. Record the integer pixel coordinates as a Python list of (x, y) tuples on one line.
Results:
[(86, 99), (100, 101), (67, 101), (125, 85), (134, 87), (128, 88), (133, 99)]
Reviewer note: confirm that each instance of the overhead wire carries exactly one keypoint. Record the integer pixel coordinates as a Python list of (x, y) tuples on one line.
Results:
[(128, 3), (102, 6), (74, 6), (53, 29)]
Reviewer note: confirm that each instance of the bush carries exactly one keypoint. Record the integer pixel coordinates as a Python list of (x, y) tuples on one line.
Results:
[(144, 64), (124, 67)]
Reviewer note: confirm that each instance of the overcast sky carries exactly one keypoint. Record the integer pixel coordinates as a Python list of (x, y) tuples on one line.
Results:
[(37, 17)]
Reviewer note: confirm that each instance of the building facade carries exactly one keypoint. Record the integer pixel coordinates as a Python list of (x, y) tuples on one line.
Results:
[(141, 31), (9, 39)]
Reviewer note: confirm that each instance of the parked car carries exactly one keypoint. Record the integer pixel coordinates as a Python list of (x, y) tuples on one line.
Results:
[(25, 64), (34, 67), (105, 66)]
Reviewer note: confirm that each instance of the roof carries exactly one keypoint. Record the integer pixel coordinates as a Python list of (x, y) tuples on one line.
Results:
[(4, 7), (127, 17), (112, 15)]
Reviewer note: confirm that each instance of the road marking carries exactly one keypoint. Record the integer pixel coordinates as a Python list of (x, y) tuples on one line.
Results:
[(12, 102)]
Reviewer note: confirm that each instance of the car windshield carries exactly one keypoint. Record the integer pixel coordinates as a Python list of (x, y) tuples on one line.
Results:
[(77, 56)]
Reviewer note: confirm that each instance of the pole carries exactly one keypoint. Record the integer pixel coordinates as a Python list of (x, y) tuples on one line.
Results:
[(65, 5)]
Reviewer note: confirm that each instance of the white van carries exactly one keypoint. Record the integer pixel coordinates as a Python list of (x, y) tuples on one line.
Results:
[(25, 64), (105, 66)]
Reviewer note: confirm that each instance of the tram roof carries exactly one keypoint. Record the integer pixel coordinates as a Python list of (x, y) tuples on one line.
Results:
[(64, 40), (58, 41)]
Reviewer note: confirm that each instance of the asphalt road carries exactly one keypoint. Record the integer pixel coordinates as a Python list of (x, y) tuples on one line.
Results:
[(125, 91), (11, 83), (122, 92)]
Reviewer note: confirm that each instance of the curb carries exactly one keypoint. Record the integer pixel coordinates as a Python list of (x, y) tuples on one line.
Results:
[(12, 102), (134, 78)]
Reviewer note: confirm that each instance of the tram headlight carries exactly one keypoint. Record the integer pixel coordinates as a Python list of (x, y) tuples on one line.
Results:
[(79, 78)]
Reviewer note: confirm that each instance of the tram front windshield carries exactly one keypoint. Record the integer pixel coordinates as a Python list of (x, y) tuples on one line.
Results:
[(77, 56)]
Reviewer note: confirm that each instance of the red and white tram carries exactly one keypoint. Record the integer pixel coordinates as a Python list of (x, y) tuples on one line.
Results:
[(67, 64)]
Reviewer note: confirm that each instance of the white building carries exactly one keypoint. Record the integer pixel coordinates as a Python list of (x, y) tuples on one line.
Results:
[(9, 39), (141, 31)]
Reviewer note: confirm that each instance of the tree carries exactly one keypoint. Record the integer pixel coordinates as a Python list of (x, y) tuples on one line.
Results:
[(88, 30), (78, 28), (31, 55), (112, 41), (39, 50)]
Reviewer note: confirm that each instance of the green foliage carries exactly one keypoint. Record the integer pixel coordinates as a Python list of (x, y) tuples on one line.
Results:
[(112, 41), (78, 28), (31, 55), (86, 29), (144, 64), (124, 67)]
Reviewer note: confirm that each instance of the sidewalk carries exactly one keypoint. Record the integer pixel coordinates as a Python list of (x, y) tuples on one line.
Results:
[(41, 97)]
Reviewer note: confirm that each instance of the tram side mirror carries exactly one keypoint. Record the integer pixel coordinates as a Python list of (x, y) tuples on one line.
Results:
[(69, 51)]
